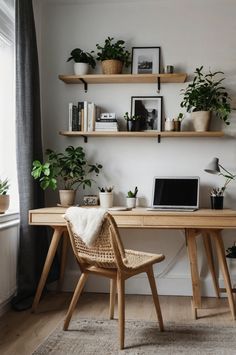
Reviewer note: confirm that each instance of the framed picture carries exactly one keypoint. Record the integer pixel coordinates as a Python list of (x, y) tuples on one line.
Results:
[(149, 108), (146, 60)]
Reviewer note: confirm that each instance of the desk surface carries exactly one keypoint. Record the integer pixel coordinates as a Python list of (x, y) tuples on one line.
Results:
[(141, 218)]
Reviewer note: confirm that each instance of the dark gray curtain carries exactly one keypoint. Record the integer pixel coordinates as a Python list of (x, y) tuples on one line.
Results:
[(33, 244)]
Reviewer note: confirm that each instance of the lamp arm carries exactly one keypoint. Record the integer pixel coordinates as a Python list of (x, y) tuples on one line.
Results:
[(232, 175)]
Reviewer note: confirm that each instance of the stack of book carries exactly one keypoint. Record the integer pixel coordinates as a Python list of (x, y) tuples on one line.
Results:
[(82, 117), (106, 122)]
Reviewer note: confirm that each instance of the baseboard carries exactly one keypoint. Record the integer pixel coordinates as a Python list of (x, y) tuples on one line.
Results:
[(177, 285)]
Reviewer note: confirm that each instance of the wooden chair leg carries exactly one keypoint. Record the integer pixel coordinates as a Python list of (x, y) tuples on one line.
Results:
[(112, 298), (210, 260), (152, 282), (121, 309), (75, 299)]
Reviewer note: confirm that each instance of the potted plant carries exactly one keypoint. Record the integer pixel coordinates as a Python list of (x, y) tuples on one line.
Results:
[(69, 170), (4, 197), (231, 251), (131, 198), (204, 96), (82, 61), (132, 122), (177, 122), (113, 56), (106, 196)]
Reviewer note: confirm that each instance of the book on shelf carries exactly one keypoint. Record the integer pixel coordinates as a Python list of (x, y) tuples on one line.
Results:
[(75, 118), (81, 115), (70, 117), (106, 126)]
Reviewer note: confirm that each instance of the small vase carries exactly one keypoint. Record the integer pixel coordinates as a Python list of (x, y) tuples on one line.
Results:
[(131, 202), (217, 202), (106, 199)]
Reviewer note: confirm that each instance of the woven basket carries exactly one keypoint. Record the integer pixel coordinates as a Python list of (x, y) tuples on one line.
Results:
[(112, 66)]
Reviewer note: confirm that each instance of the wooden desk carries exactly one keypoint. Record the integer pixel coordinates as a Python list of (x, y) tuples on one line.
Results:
[(208, 223)]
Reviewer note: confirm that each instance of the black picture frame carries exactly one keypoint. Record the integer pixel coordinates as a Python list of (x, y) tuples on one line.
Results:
[(146, 60), (149, 108)]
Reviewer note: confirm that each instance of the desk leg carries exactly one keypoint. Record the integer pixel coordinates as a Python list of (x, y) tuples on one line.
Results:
[(64, 249), (47, 265), (224, 269), (192, 253), (210, 260)]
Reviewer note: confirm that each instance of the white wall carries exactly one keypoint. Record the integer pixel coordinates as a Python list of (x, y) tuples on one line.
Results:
[(190, 33)]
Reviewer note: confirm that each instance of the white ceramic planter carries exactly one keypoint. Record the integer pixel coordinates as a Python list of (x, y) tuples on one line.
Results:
[(131, 202), (67, 197), (201, 120), (106, 199), (81, 68), (4, 203)]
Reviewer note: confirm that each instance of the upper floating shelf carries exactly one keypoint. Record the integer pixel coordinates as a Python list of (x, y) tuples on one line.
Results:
[(124, 78)]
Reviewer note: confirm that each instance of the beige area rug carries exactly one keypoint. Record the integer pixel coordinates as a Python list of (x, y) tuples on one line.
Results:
[(100, 337)]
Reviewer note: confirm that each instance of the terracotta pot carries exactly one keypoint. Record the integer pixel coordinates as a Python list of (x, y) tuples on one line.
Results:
[(81, 68), (112, 66), (4, 203), (201, 120), (67, 197)]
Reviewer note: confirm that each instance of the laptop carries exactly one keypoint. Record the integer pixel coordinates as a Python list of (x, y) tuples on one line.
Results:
[(175, 193)]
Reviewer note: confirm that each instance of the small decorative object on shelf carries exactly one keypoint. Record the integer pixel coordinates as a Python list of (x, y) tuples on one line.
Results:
[(146, 60), (69, 169), (204, 96), (113, 56), (106, 196), (132, 122), (169, 69), (231, 251), (149, 108), (82, 61), (131, 198), (169, 124), (177, 122), (4, 197), (217, 194), (90, 200)]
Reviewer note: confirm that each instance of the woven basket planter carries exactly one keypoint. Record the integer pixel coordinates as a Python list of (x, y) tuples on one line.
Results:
[(112, 66)]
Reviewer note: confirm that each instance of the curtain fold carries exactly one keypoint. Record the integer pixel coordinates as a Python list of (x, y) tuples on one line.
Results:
[(33, 243)]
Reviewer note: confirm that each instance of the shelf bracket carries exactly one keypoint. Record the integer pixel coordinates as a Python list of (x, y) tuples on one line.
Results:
[(158, 84), (85, 84), (85, 139), (159, 138)]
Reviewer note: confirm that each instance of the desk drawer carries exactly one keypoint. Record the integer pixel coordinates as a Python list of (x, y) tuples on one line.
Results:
[(129, 221), (46, 219)]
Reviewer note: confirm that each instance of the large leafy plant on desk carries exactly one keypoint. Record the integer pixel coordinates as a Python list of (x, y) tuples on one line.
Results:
[(69, 170)]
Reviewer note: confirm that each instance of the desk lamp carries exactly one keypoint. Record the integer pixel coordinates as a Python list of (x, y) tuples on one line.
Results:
[(214, 167)]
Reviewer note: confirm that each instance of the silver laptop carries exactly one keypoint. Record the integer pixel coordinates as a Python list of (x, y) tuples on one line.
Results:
[(175, 193)]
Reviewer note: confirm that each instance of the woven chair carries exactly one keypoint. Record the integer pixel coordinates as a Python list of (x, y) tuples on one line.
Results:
[(107, 257)]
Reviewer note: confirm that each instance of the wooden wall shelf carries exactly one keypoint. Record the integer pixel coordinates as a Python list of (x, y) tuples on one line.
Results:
[(147, 134)]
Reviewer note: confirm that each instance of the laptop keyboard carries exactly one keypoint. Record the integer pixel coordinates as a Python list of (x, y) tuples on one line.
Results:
[(171, 209)]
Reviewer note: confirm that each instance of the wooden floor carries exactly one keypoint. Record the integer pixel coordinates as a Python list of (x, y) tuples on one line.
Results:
[(22, 332)]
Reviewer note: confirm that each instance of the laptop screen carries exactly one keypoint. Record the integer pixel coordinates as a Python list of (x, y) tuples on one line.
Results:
[(176, 192)]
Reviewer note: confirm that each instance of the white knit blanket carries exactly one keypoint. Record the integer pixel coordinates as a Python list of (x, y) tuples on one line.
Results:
[(86, 222)]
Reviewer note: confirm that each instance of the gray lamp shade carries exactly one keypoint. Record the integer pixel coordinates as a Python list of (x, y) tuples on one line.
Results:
[(213, 167)]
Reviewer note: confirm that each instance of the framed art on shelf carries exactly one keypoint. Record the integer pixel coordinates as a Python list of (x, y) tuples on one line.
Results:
[(146, 60), (149, 108)]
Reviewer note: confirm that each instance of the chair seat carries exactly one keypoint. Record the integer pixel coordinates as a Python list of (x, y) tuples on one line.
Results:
[(135, 260)]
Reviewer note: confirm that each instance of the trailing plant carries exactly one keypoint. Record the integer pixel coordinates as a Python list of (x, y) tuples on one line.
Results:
[(206, 93), (79, 56), (231, 251), (4, 186), (70, 168), (106, 189), (132, 194), (113, 50), (128, 117)]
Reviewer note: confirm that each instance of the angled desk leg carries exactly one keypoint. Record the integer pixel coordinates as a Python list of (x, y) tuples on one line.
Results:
[(192, 253), (216, 235), (58, 231), (64, 249), (208, 249)]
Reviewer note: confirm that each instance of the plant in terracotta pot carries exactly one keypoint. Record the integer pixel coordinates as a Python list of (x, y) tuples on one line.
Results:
[(113, 56), (82, 61), (106, 196), (204, 96), (132, 122), (69, 169), (4, 197), (131, 198)]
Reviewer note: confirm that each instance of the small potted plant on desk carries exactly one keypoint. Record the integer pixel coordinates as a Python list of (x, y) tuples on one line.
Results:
[(204, 96), (70, 168), (4, 197), (113, 56), (106, 196), (132, 122), (82, 61), (131, 198)]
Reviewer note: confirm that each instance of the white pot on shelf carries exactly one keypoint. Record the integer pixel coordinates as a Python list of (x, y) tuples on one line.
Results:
[(131, 202), (81, 68), (67, 197), (201, 120), (106, 199), (4, 203)]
